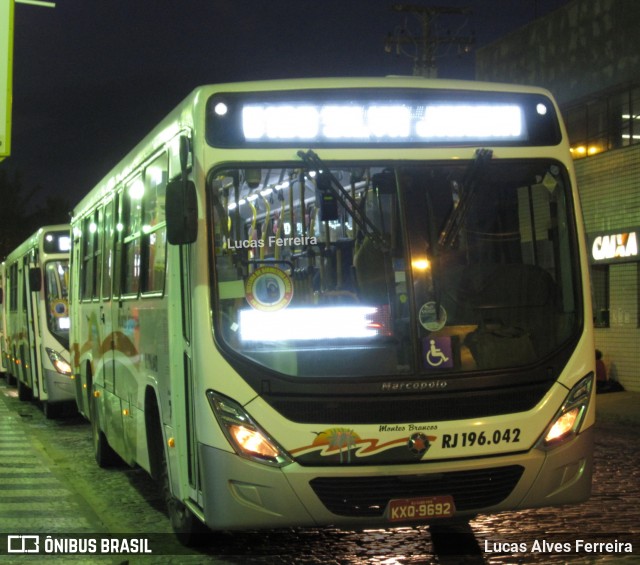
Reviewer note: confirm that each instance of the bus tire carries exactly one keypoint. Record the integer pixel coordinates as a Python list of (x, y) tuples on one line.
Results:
[(105, 456), (51, 411), (189, 530), (24, 392)]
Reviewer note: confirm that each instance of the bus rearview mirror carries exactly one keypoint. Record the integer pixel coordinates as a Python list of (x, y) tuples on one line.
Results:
[(181, 208), (35, 279)]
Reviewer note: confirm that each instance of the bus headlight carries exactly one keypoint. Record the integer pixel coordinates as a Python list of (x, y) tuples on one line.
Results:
[(58, 362), (246, 437), (568, 420)]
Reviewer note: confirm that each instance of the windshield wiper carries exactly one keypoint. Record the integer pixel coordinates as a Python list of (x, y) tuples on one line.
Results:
[(470, 182), (328, 183)]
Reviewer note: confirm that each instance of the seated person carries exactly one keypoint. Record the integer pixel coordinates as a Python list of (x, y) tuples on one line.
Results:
[(602, 379)]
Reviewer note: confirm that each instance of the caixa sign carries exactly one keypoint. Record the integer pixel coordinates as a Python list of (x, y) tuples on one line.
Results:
[(614, 246)]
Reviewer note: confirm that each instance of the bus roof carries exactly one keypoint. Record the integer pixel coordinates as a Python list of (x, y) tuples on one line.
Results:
[(182, 116), (32, 241)]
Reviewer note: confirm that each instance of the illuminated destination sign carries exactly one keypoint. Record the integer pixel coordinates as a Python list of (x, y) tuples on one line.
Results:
[(57, 242), (613, 247), (369, 123), (384, 117)]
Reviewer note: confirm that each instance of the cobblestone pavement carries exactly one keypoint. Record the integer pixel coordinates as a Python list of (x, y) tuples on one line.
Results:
[(50, 484)]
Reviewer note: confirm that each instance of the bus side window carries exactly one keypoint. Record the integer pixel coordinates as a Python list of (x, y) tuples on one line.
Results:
[(132, 219), (13, 288), (108, 239), (87, 284), (154, 225), (97, 252)]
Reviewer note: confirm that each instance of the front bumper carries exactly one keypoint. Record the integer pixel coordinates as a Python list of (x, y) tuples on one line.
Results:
[(60, 388), (239, 494)]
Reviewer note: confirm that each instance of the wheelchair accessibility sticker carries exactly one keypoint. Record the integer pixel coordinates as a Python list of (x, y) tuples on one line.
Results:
[(437, 353)]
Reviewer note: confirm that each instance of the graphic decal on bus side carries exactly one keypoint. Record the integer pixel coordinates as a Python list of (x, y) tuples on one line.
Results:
[(115, 341), (345, 446)]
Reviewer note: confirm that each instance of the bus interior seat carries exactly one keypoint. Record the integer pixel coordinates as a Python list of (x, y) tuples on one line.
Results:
[(512, 305)]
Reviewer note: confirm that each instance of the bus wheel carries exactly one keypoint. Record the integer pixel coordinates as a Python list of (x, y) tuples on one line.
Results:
[(24, 392), (105, 455), (190, 531), (50, 410)]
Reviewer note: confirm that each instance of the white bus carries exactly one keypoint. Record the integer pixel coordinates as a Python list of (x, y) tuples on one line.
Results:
[(357, 302), (36, 312), (3, 341)]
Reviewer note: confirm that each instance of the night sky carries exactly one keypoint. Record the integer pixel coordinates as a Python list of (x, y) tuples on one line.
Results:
[(92, 77)]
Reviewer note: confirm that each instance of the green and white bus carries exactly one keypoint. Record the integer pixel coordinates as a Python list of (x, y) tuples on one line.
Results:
[(4, 356), (36, 314), (357, 302)]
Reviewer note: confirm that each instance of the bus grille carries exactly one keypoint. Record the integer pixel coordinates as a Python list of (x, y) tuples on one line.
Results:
[(367, 497), (439, 407)]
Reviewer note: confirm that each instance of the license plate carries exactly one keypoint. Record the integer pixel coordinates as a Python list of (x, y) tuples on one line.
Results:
[(426, 508)]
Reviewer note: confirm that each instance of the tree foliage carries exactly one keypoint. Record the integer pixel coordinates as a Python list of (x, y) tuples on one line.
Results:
[(22, 211)]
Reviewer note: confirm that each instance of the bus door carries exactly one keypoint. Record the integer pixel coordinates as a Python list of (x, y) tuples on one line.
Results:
[(3, 298), (35, 281), (121, 318), (187, 364), (108, 309), (30, 327), (77, 333), (96, 312), (180, 315)]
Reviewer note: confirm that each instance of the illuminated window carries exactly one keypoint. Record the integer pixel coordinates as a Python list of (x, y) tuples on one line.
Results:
[(109, 246), (90, 258), (143, 230), (132, 222), (604, 122), (154, 240)]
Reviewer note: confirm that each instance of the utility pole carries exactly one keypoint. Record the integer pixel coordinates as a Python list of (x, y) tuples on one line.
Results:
[(426, 45), (6, 68)]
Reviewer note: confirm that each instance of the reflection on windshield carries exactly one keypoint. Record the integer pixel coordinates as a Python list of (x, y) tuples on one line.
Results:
[(57, 299), (380, 273)]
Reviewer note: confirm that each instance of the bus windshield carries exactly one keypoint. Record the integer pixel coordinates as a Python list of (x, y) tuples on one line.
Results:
[(356, 269), (57, 297)]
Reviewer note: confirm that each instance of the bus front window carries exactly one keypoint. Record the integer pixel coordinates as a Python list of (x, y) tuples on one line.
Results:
[(57, 298), (393, 269)]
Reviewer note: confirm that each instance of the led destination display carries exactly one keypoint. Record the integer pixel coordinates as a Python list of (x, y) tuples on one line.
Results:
[(401, 118)]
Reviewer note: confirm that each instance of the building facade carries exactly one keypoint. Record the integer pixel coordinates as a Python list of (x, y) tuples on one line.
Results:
[(588, 54)]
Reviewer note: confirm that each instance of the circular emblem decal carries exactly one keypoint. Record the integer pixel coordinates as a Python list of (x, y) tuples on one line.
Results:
[(60, 308), (268, 289), (418, 443), (428, 318)]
